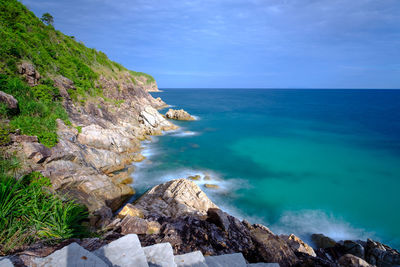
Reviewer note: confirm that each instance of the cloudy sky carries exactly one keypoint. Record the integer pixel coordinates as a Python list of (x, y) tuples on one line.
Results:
[(242, 43)]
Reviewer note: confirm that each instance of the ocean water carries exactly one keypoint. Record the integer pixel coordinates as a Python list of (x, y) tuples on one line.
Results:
[(298, 161)]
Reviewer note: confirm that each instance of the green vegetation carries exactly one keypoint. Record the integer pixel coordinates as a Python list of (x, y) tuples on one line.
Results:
[(47, 19), (149, 78), (29, 212), (39, 109)]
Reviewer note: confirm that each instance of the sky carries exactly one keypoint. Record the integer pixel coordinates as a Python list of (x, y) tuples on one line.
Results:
[(241, 43)]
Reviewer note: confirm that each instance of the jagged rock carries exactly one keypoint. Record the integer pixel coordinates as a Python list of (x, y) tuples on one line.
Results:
[(174, 199), (232, 260), (64, 84), (297, 245), (349, 260), (71, 255), (381, 255), (125, 252), (322, 241), (219, 218), (181, 115), (151, 118), (160, 255), (130, 210), (271, 247), (354, 248), (36, 151), (9, 100), (192, 259), (28, 71)]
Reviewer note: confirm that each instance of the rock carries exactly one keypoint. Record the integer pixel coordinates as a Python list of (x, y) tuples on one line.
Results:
[(179, 115), (28, 71), (231, 260), (297, 245), (130, 210), (10, 101), (71, 255), (35, 151), (174, 199), (194, 177), (160, 255), (125, 251), (107, 139), (219, 218), (271, 247), (64, 84), (137, 225), (263, 264), (349, 260), (214, 186), (322, 241), (139, 157), (24, 138), (381, 255), (151, 118), (192, 259), (354, 248), (4, 262)]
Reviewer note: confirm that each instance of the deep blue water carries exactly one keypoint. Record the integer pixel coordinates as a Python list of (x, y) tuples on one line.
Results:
[(298, 161)]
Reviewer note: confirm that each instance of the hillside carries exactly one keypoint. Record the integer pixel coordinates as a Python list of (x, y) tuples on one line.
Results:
[(71, 122)]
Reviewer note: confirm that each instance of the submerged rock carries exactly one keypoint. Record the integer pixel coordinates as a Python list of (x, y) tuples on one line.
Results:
[(194, 177), (180, 114), (211, 186)]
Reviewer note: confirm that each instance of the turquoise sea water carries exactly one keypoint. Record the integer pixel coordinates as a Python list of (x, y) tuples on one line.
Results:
[(298, 161)]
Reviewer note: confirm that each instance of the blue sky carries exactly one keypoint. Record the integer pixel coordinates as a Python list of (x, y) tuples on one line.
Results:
[(242, 43)]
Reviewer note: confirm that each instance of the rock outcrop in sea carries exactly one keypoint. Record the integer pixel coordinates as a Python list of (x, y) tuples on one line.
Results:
[(180, 114)]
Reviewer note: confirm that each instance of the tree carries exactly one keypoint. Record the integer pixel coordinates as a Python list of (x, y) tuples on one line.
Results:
[(47, 19)]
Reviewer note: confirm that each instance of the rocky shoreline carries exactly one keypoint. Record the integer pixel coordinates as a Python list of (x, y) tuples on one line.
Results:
[(92, 163)]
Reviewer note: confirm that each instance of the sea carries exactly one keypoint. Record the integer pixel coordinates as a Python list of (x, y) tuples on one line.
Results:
[(299, 161)]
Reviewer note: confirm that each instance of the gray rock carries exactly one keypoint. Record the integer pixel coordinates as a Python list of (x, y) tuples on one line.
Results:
[(354, 248), (9, 100), (381, 255), (160, 255), (349, 260), (231, 260), (71, 255), (123, 252), (322, 241), (219, 218), (4, 262), (263, 264), (193, 259)]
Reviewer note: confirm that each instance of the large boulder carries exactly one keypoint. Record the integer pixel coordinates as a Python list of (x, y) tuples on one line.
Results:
[(180, 114), (28, 71), (322, 241), (174, 199), (9, 100), (152, 119), (349, 260)]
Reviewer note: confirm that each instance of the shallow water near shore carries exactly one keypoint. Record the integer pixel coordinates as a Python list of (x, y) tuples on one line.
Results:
[(298, 161)]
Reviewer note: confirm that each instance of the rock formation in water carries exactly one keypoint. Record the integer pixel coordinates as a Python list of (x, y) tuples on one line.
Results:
[(180, 114)]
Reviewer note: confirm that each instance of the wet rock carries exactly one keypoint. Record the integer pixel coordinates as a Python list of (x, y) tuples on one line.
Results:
[(9, 100), (194, 177), (219, 218), (349, 260), (174, 199), (322, 241), (381, 255), (179, 115), (28, 71), (354, 248), (271, 247), (297, 245)]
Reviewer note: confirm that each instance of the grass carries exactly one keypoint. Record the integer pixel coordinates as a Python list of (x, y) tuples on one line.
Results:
[(29, 212)]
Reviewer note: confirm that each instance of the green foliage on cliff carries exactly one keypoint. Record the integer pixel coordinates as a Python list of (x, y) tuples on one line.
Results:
[(30, 212), (39, 109)]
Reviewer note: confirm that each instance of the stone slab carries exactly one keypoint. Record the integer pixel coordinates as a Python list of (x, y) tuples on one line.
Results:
[(193, 259), (263, 264), (71, 255), (4, 262), (231, 260), (160, 255), (123, 252)]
